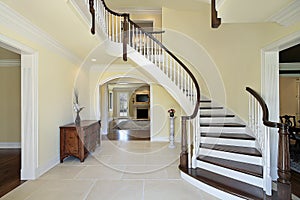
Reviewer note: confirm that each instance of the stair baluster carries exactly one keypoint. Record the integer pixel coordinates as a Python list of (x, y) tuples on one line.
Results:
[(260, 116)]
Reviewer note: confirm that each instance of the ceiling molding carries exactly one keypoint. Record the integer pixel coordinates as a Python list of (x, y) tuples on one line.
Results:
[(139, 10), (288, 15), (16, 22), (10, 62)]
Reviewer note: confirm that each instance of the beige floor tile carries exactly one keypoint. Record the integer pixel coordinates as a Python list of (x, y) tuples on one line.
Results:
[(63, 172), (101, 172), (173, 189), (117, 190), (125, 158), (62, 189), (144, 173)]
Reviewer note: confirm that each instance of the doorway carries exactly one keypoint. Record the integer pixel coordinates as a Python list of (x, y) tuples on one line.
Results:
[(270, 89), (29, 103), (128, 109)]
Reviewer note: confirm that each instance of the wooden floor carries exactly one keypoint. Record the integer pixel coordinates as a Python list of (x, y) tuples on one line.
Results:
[(10, 165), (126, 135)]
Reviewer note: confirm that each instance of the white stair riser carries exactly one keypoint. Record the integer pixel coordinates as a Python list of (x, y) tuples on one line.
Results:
[(231, 156), (209, 104), (230, 142), (223, 129), (253, 180), (213, 111), (218, 120)]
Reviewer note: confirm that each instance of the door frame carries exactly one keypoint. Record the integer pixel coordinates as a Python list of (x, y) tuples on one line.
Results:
[(29, 106), (270, 87)]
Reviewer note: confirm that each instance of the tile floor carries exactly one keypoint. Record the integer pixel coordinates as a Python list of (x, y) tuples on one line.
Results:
[(124, 170)]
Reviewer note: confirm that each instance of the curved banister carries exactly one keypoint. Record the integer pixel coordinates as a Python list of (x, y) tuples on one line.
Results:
[(265, 110), (194, 114), (283, 163)]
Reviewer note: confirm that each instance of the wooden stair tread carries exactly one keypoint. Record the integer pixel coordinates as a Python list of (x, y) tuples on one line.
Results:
[(241, 136), (215, 115), (226, 184), (255, 170), (205, 101), (222, 125), (232, 149), (210, 107)]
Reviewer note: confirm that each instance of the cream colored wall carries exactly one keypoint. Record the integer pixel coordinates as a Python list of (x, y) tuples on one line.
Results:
[(55, 86), (161, 102), (233, 51), (10, 104), (288, 95)]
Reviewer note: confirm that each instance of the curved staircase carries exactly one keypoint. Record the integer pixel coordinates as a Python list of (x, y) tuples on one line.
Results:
[(220, 153), (228, 164)]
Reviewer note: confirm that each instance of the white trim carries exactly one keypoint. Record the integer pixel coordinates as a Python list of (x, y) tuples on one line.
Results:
[(16, 22), (270, 89), (10, 63), (10, 145), (43, 169), (139, 10), (287, 16), (231, 156), (29, 106), (29, 115)]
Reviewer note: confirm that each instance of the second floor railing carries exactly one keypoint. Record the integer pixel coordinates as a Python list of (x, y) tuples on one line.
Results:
[(119, 28)]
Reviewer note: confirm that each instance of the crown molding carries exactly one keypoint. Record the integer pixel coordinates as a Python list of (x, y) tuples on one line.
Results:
[(18, 23), (10, 62), (139, 10), (287, 16)]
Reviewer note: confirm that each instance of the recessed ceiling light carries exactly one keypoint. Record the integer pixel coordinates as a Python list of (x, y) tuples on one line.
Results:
[(93, 59)]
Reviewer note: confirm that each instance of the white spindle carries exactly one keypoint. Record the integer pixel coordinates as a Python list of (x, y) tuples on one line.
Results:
[(120, 29)]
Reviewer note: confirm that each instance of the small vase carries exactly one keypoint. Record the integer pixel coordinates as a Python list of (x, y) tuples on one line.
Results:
[(171, 114), (77, 120)]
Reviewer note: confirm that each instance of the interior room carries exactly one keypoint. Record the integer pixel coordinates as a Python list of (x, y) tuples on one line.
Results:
[(160, 99)]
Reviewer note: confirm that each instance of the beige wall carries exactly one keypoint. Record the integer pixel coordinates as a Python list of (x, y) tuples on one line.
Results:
[(55, 86), (10, 104), (232, 52), (162, 101), (288, 95)]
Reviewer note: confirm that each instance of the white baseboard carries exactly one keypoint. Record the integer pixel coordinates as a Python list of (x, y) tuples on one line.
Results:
[(46, 167), (10, 145)]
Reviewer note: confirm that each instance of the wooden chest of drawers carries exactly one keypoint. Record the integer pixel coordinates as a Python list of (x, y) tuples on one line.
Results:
[(79, 141)]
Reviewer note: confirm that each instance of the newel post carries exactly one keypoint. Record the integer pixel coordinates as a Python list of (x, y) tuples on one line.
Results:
[(184, 153), (92, 11), (284, 173), (125, 36)]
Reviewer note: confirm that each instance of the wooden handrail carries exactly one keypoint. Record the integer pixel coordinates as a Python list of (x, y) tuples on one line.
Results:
[(265, 110), (283, 165)]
